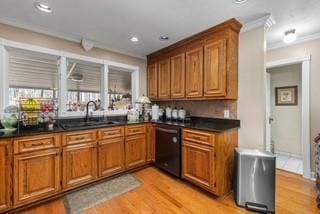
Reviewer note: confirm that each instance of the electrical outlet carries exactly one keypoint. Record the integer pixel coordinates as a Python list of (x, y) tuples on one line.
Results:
[(226, 114)]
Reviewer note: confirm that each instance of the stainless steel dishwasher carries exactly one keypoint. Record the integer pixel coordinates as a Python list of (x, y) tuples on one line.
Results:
[(168, 149)]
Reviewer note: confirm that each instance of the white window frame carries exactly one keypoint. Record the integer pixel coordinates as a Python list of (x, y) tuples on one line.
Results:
[(63, 56)]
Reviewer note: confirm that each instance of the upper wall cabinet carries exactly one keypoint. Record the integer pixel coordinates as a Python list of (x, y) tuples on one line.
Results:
[(153, 81), (178, 76), (194, 72), (201, 67), (164, 79), (215, 69)]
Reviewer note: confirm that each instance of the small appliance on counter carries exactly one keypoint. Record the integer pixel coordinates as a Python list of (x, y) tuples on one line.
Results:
[(255, 179)]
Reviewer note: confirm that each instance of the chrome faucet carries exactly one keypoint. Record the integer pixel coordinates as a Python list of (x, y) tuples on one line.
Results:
[(87, 113)]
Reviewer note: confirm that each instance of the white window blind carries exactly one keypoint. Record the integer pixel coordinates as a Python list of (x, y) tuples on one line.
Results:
[(91, 77), (28, 70)]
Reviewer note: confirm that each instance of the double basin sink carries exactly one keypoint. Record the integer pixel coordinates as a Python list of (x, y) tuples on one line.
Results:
[(79, 125)]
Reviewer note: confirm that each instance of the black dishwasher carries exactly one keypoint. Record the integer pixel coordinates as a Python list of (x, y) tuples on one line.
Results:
[(168, 149)]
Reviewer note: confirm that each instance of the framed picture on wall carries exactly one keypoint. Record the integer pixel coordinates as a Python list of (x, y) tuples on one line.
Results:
[(287, 96)]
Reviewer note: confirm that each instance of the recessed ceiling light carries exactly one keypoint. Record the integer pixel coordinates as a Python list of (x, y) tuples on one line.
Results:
[(164, 38), (134, 39), (289, 36), (43, 7), (239, 1)]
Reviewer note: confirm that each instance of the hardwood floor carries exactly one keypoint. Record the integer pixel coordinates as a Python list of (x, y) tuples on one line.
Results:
[(161, 193)]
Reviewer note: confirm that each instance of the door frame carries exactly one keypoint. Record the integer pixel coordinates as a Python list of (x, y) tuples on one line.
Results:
[(305, 108)]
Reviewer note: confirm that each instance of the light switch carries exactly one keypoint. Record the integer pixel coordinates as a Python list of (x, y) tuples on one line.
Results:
[(226, 114)]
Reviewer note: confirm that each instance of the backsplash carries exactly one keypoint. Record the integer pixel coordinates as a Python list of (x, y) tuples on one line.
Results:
[(204, 108)]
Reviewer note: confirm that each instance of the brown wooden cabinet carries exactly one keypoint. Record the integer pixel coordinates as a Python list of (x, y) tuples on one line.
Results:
[(153, 81), (164, 79), (151, 141), (203, 66), (5, 174), (207, 159), (215, 77), (194, 72), (198, 164), (36, 175), (79, 164), (135, 150), (178, 76), (111, 155)]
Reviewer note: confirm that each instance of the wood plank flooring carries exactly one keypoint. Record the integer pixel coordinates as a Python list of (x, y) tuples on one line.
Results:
[(161, 193)]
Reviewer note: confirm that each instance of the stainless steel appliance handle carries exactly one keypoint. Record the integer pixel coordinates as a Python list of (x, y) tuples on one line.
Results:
[(167, 130)]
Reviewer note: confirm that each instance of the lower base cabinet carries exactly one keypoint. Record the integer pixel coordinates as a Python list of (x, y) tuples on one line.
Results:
[(111, 157), (79, 164), (198, 165), (36, 175), (5, 175), (151, 141), (135, 151)]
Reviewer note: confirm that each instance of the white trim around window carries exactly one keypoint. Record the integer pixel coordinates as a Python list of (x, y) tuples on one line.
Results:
[(6, 45)]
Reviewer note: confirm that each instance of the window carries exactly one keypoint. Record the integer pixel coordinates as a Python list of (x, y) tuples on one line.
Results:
[(32, 75), (120, 92), (16, 93), (83, 84)]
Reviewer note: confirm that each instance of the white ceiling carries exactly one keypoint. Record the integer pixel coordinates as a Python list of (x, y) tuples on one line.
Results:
[(110, 24)]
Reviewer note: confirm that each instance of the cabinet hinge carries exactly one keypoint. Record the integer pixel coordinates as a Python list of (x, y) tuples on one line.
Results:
[(215, 184), (61, 182)]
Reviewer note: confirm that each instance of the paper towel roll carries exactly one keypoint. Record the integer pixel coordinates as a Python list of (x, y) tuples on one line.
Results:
[(155, 112)]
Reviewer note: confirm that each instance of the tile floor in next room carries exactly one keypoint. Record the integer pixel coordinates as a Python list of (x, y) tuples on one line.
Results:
[(289, 162)]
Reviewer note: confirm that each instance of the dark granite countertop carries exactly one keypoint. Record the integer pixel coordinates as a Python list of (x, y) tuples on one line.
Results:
[(199, 123)]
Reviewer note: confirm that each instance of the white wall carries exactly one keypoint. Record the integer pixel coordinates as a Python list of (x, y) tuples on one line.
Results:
[(251, 102), (286, 127)]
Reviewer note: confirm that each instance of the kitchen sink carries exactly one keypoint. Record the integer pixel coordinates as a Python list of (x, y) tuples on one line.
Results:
[(68, 126)]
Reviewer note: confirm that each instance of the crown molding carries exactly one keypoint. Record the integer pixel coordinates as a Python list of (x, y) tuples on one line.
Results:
[(69, 37), (266, 21), (299, 40)]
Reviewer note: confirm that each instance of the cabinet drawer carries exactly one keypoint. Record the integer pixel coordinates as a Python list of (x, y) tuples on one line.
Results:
[(79, 137), (31, 144), (111, 133), (135, 129), (198, 137)]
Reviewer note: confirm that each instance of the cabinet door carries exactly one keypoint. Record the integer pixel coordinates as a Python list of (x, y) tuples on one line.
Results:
[(111, 156), (178, 76), (151, 140), (164, 79), (79, 164), (194, 73), (215, 76), (153, 81), (198, 165), (36, 175), (135, 151), (5, 174)]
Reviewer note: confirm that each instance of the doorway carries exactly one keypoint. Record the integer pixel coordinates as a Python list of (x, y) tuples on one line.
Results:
[(288, 114)]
